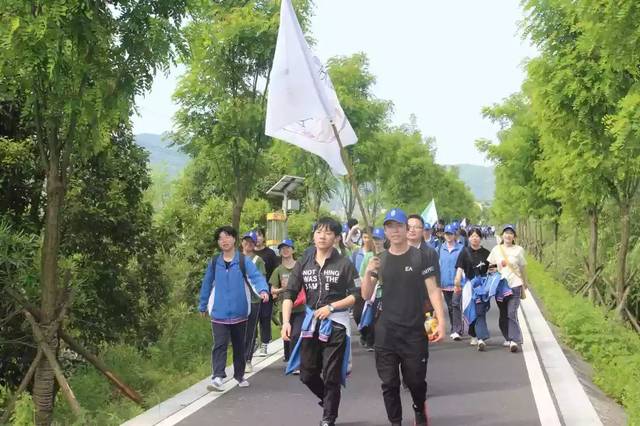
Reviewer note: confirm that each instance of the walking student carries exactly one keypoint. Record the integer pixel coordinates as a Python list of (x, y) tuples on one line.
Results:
[(266, 310), (448, 254), (331, 283), (511, 263), (248, 244), (357, 258), (429, 238), (279, 280), (471, 263), (225, 296), (367, 334), (401, 344)]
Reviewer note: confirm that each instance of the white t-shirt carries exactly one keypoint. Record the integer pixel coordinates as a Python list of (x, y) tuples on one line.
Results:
[(515, 255)]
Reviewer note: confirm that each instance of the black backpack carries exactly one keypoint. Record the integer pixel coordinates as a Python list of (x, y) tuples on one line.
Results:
[(243, 269)]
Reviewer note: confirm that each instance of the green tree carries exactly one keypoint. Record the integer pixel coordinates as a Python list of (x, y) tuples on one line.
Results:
[(222, 95), (76, 67), (586, 100), (410, 178), (368, 115)]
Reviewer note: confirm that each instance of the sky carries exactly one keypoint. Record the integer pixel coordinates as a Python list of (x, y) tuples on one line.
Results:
[(441, 61)]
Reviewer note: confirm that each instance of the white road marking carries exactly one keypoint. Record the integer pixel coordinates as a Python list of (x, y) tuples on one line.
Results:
[(541, 394), (573, 402), (187, 402)]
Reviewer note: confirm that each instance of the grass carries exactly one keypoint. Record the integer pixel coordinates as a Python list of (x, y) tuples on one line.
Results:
[(181, 358), (609, 346)]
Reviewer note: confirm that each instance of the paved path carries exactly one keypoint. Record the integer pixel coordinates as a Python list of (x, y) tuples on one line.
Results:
[(466, 387)]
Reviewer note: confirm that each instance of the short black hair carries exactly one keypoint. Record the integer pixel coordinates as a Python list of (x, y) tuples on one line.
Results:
[(227, 229), (416, 216), (352, 222), (261, 231), (331, 224), (475, 230)]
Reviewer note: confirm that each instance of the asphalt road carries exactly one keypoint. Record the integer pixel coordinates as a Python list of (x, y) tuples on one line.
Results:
[(466, 387)]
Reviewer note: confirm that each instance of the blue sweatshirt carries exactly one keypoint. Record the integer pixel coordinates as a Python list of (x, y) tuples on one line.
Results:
[(448, 261), (225, 295)]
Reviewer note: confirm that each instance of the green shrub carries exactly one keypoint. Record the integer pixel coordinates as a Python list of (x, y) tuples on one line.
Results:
[(612, 349)]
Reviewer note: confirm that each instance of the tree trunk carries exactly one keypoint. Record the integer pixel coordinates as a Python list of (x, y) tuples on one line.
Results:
[(621, 270), (593, 252), (44, 379), (238, 204)]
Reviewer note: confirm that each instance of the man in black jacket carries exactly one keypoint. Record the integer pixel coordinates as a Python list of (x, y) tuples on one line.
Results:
[(331, 285)]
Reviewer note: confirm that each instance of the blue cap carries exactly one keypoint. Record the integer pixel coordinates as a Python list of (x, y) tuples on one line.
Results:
[(427, 226), (449, 229), (286, 242), (378, 233), (395, 215), (456, 225), (252, 235), (509, 226)]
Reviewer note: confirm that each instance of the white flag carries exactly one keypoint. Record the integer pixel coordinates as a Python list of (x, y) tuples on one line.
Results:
[(302, 103), (430, 215)]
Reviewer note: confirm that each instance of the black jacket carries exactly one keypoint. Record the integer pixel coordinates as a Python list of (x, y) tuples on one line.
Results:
[(336, 280)]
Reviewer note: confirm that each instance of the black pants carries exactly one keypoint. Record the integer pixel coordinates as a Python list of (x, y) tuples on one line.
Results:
[(320, 360), (413, 364), (296, 320), (251, 332), (454, 306), (222, 333), (357, 310), (264, 320)]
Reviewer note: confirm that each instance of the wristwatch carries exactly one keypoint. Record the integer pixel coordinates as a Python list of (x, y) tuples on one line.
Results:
[(331, 308)]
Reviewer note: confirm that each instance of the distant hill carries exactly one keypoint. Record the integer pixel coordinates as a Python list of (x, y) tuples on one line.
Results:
[(479, 179), (161, 154)]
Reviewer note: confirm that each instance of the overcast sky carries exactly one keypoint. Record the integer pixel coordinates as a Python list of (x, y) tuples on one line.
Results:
[(442, 61)]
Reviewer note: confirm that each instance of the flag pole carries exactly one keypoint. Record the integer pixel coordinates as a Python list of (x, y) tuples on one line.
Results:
[(354, 184)]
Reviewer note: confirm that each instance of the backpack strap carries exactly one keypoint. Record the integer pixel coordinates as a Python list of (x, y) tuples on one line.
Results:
[(243, 268), (214, 262)]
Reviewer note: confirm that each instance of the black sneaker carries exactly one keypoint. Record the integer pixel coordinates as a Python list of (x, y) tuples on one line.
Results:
[(327, 423), (421, 416)]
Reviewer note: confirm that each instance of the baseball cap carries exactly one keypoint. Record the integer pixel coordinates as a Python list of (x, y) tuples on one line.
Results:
[(286, 242), (251, 235), (449, 229), (395, 215), (509, 226), (378, 233), (427, 226)]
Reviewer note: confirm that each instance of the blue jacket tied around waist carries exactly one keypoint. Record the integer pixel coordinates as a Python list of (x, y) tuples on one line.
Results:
[(326, 326), (224, 293), (481, 290)]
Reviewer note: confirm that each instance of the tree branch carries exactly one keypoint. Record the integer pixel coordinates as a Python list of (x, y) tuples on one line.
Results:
[(23, 385), (53, 362)]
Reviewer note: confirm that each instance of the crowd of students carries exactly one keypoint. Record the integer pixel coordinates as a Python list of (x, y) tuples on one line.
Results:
[(384, 279)]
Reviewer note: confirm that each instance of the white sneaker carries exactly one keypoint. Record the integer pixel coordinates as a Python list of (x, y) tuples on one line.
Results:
[(215, 385), (262, 351), (474, 341), (455, 336), (243, 383), (481, 345), (506, 343), (513, 347), (248, 368)]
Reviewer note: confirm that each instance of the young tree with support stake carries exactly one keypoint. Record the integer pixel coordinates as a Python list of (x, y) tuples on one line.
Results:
[(79, 66)]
